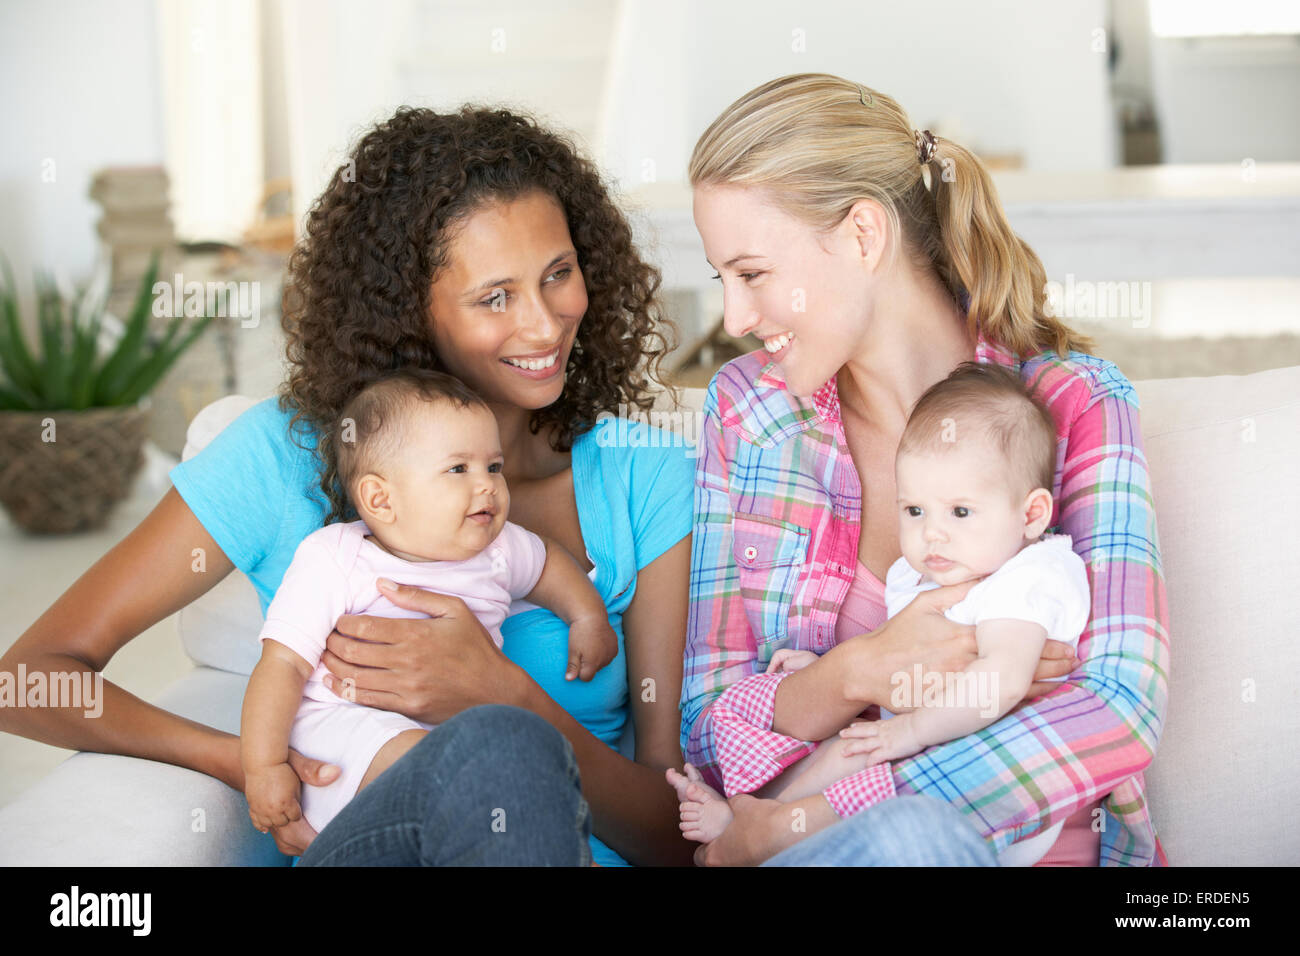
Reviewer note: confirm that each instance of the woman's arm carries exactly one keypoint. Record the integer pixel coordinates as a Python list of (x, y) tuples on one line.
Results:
[(720, 646), (817, 701), (635, 812), (432, 668), (989, 687), (142, 580), (1044, 761)]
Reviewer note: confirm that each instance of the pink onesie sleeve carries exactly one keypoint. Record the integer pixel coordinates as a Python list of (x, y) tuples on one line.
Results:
[(525, 557), (313, 594)]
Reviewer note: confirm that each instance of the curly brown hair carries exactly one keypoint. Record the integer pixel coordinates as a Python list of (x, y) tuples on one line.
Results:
[(357, 296)]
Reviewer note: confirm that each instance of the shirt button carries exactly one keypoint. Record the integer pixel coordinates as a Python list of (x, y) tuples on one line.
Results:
[(751, 553)]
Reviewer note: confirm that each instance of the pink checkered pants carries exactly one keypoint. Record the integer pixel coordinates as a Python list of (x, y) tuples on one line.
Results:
[(750, 753)]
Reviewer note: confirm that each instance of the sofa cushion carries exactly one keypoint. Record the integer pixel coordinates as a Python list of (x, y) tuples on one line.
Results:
[(107, 810), (1224, 457)]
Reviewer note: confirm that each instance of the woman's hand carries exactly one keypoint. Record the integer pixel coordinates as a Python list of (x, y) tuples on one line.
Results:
[(921, 634), (428, 669), (918, 634), (1058, 659), (750, 838)]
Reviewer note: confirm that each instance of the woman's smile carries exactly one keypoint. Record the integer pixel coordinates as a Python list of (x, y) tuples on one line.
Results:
[(539, 365), (777, 345)]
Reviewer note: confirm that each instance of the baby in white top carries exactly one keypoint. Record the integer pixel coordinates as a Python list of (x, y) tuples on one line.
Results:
[(419, 456), (974, 471)]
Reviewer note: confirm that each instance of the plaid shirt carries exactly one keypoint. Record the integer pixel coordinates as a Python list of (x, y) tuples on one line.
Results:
[(777, 516)]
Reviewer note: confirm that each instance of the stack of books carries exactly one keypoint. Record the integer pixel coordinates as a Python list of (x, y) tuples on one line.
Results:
[(135, 224)]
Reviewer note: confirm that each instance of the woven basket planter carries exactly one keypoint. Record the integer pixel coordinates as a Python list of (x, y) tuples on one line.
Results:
[(71, 483)]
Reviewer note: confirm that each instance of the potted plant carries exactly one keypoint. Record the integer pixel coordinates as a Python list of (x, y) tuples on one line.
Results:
[(73, 423)]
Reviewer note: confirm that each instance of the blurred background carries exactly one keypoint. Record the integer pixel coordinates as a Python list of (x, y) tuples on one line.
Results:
[(1135, 141), (1148, 150)]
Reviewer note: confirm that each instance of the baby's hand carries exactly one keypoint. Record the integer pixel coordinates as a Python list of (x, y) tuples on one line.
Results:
[(883, 740), (592, 645), (272, 794), (787, 660)]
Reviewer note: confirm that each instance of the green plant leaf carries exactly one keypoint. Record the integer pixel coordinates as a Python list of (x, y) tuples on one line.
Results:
[(19, 368), (65, 376), (81, 376), (19, 365), (124, 363), (49, 314), (11, 401), (161, 360)]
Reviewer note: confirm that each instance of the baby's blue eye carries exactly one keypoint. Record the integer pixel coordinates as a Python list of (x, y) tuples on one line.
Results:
[(457, 469), (494, 468), (912, 510), (961, 511)]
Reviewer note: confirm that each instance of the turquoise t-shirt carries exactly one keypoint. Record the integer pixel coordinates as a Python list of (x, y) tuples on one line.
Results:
[(257, 493)]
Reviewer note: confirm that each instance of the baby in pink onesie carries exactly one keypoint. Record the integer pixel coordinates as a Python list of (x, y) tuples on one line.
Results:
[(419, 456)]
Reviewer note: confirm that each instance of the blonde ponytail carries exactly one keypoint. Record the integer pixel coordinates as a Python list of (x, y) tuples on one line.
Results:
[(817, 144)]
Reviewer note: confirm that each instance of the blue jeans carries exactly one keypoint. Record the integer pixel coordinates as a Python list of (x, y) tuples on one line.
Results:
[(493, 786), (914, 830)]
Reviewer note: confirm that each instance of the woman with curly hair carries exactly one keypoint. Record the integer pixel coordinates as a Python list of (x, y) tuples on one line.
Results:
[(477, 244)]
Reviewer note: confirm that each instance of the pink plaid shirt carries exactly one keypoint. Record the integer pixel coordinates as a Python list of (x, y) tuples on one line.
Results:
[(777, 521)]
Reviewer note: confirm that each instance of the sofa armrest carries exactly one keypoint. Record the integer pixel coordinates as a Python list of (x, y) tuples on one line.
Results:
[(107, 810)]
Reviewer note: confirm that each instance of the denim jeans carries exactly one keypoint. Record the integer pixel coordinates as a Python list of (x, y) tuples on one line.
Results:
[(493, 786), (913, 830)]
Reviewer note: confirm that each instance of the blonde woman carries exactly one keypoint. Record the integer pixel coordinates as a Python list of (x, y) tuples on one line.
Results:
[(872, 259)]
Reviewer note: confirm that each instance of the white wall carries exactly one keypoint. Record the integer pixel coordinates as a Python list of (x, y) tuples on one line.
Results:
[(1015, 76), (80, 91), (348, 66), (646, 128), (1222, 99), (339, 78)]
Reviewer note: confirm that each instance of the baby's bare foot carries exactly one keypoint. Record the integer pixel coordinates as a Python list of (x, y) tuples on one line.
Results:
[(704, 812), (679, 781), (704, 815)]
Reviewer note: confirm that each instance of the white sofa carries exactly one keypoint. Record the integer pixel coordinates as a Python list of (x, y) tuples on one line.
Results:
[(1224, 457)]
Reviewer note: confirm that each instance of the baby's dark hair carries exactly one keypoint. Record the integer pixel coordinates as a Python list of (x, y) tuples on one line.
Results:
[(372, 425), (995, 403)]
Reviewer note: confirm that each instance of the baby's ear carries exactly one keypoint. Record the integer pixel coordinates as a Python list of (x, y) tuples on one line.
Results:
[(372, 500), (1038, 512)]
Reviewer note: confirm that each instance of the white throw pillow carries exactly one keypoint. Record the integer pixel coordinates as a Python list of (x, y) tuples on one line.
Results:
[(1224, 456)]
